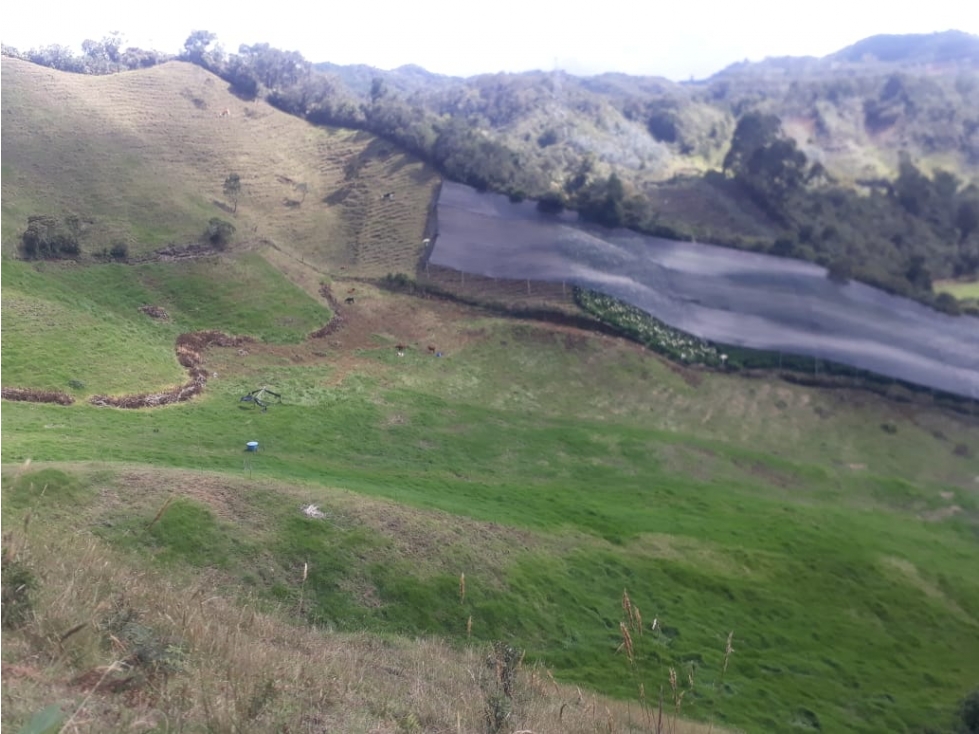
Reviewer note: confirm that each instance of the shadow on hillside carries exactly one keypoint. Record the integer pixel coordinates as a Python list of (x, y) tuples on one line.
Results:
[(223, 207), (338, 196), (243, 96), (402, 161), (291, 203), (421, 175)]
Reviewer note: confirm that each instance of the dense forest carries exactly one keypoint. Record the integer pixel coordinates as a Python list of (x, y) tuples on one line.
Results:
[(759, 141)]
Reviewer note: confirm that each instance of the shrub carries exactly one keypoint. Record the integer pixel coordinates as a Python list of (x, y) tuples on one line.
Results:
[(219, 232), (119, 251), (840, 270), (548, 137), (947, 303), (17, 586), (45, 237), (550, 203), (969, 713)]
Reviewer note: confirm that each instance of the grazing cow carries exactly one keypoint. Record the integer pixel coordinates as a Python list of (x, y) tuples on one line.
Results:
[(431, 349), (348, 299), (388, 195), (225, 113), (401, 349), (352, 290)]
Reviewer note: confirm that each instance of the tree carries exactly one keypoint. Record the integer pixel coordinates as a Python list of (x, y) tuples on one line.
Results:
[(550, 203), (232, 189), (967, 218), (768, 166), (912, 188), (378, 89), (197, 45), (918, 273), (754, 130), (840, 270), (602, 202)]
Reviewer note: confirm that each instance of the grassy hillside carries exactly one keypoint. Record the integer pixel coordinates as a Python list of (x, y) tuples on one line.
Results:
[(788, 515), (152, 152), (503, 494)]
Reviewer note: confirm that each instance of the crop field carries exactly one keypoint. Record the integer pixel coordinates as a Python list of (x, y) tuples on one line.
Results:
[(481, 486)]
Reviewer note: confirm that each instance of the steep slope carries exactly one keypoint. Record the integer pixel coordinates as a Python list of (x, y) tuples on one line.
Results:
[(150, 152)]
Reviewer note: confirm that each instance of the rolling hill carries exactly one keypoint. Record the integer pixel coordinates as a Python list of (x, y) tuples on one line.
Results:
[(421, 543), (154, 149)]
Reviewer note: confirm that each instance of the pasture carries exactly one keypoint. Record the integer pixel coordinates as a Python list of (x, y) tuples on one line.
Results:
[(553, 468), (963, 290)]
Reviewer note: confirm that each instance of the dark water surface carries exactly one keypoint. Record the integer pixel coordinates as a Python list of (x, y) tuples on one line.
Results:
[(716, 293)]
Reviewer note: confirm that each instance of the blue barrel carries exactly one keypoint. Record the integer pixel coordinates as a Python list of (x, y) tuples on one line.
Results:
[(251, 446)]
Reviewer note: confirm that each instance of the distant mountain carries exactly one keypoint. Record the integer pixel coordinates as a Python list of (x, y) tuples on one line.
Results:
[(948, 47), (405, 79)]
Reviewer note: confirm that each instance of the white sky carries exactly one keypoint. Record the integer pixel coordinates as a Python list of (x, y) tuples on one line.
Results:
[(678, 39)]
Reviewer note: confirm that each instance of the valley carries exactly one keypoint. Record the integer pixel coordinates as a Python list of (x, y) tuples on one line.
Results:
[(485, 524)]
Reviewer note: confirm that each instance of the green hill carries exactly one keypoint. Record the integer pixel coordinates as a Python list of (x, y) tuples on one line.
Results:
[(477, 515), (155, 149)]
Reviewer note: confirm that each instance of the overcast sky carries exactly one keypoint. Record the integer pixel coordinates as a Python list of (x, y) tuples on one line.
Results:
[(678, 40)]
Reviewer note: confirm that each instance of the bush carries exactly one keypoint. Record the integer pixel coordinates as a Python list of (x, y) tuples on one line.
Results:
[(18, 583), (840, 270), (550, 203), (219, 232), (119, 251), (969, 714), (46, 237)]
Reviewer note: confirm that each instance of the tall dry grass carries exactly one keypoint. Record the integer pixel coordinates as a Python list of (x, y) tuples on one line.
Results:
[(662, 717), (123, 646)]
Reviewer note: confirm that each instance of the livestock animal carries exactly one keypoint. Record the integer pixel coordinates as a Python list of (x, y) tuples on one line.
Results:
[(348, 299), (401, 349), (225, 113), (431, 349)]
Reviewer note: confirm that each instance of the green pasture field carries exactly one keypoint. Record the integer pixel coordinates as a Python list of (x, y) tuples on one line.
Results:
[(588, 468), (962, 290), (65, 324)]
